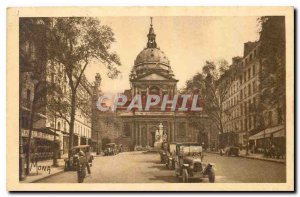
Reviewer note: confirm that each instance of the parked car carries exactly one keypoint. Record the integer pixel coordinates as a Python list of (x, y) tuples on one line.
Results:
[(110, 149), (189, 163), (170, 161), (72, 162), (230, 151)]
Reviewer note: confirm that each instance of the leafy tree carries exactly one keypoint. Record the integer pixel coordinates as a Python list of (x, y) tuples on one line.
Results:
[(217, 84), (76, 43), (213, 90), (273, 58), (32, 61)]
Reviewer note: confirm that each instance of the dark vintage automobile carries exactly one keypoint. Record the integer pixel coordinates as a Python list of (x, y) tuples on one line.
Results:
[(72, 162), (230, 151), (189, 163), (170, 160), (110, 149)]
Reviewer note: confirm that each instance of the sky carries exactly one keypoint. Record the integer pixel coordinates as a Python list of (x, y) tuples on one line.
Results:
[(187, 41)]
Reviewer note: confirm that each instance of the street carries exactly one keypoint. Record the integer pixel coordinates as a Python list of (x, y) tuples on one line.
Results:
[(145, 167)]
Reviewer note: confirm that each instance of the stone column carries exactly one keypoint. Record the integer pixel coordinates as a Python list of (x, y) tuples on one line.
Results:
[(140, 135), (168, 132), (171, 131), (147, 134), (136, 134)]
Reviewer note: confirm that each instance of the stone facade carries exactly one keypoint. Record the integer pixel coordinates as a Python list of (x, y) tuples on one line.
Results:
[(152, 75)]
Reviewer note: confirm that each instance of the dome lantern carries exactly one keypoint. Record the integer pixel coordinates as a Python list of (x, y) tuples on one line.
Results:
[(151, 37)]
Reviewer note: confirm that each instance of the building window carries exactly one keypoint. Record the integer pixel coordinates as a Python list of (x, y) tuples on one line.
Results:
[(65, 126), (253, 70), (28, 95), (242, 111), (24, 122), (270, 117), (249, 89), (249, 73), (254, 86), (250, 122), (58, 126)]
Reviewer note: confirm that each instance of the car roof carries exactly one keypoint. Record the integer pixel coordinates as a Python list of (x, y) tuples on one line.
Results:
[(188, 144), (81, 146)]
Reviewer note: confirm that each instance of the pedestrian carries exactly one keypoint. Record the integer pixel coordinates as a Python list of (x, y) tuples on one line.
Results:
[(81, 173)]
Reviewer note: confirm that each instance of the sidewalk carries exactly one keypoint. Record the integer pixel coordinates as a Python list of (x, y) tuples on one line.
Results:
[(44, 169), (256, 156), (260, 157)]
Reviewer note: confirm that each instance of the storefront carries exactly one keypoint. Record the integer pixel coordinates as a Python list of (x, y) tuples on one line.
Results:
[(268, 137), (42, 143)]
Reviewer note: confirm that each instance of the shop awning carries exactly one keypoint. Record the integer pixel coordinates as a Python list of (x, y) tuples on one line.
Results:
[(40, 133), (47, 130), (278, 131)]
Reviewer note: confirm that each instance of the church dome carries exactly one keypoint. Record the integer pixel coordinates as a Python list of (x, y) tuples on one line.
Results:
[(151, 55), (151, 59)]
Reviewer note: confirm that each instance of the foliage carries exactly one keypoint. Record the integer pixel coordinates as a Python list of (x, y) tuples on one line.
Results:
[(272, 55), (208, 85), (75, 43)]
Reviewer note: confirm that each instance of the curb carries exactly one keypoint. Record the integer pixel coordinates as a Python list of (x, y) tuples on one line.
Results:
[(56, 173), (42, 178), (255, 158)]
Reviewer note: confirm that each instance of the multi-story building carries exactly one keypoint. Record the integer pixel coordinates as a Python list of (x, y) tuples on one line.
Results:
[(242, 114), (48, 126), (83, 119)]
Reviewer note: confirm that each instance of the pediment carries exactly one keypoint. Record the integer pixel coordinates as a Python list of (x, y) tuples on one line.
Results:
[(154, 76)]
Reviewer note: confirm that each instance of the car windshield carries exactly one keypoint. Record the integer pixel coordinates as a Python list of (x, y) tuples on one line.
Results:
[(186, 150)]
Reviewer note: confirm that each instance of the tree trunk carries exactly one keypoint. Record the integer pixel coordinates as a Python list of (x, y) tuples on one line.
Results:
[(72, 120), (28, 150)]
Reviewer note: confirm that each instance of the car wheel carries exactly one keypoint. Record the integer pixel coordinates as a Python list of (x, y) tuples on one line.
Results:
[(211, 176), (185, 176)]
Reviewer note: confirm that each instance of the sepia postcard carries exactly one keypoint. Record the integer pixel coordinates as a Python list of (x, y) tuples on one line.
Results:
[(150, 99)]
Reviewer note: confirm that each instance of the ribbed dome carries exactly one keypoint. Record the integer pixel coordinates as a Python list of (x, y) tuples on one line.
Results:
[(151, 59), (151, 55)]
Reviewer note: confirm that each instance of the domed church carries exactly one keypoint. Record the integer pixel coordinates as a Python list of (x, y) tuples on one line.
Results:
[(152, 75)]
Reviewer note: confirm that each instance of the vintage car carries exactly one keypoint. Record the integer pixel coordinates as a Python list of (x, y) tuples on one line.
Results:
[(189, 163), (230, 151), (110, 149), (170, 161), (72, 161)]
